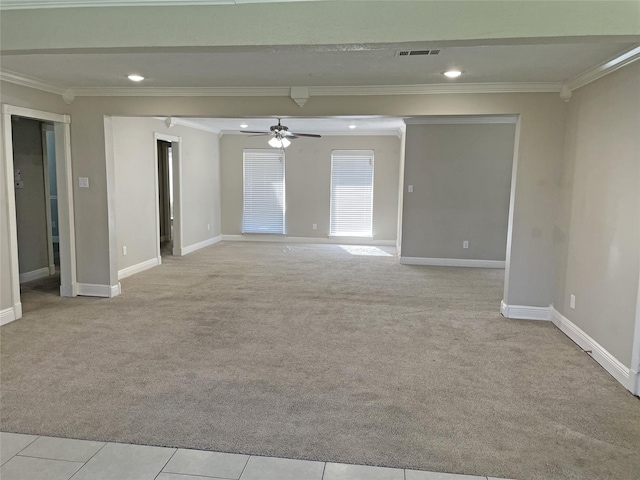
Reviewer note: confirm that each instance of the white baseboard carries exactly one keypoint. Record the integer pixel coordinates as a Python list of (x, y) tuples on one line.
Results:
[(93, 290), (52, 269), (199, 245), (321, 240), (627, 377), (523, 312), (140, 267), (452, 262), (35, 274), (7, 315)]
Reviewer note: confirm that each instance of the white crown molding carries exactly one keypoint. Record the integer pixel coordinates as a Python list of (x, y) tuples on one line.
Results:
[(183, 92), (603, 69), (328, 91), (26, 81), (33, 4), (436, 89), (321, 91), (185, 122), (460, 119)]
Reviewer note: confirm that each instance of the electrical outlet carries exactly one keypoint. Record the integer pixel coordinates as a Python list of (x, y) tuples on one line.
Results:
[(572, 301), (465, 244), (208, 226), (315, 226), (19, 184), (124, 250), (410, 188), (83, 182), (53, 224)]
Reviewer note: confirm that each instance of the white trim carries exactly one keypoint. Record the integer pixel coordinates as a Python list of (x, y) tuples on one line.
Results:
[(318, 91), (47, 191), (604, 68), (7, 315), (460, 119), (452, 262), (140, 267), (273, 238), (31, 82), (31, 4), (523, 312), (93, 290), (512, 202), (35, 274), (187, 123), (624, 375), (199, 245), (36, 115)]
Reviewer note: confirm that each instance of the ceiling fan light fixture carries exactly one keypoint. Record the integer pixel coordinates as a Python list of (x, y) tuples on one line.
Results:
[(285, 142), (275, 142), (452, 73)]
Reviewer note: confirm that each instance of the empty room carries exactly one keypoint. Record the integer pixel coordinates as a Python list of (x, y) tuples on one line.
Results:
[(320, 240)]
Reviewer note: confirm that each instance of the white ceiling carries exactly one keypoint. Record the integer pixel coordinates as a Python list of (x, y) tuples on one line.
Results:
[(314, 66), (378, 125)]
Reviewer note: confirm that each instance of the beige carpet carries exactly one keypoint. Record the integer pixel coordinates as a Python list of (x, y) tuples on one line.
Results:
[(308, 351)]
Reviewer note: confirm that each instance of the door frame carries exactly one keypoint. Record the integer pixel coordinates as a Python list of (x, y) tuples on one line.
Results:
[(176, 156), (47, 127), (64, 182)]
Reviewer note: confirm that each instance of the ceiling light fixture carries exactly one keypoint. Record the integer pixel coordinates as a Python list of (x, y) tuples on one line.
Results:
[(276, 142), (244, 125), (135, 78), (352, 126), (453, 73)]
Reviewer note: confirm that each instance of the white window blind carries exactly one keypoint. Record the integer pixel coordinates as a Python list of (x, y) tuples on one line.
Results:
[(351, 193), (263, 210)]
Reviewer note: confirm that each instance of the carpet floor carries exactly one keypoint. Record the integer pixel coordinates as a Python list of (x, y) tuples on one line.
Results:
[(313, 352)]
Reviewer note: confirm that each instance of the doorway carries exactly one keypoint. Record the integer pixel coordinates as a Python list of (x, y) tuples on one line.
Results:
[(168, 194), (165, 196), (41, 139)]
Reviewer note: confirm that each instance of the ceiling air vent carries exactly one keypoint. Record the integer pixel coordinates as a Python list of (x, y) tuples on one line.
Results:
[(411, 53)]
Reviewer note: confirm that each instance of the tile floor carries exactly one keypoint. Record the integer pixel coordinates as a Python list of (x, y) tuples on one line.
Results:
[(30, 457)]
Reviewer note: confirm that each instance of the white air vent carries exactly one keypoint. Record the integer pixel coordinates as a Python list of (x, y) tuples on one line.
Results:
[(411, 53)]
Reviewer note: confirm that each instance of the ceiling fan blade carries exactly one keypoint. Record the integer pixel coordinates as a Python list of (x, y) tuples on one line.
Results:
[(251, 131), (311, 135), (260, 135)]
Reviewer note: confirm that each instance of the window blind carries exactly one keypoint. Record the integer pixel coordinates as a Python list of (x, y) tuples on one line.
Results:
[(351, 193), (263, 207)]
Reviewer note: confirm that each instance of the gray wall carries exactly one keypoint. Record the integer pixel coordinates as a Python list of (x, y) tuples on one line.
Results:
[(308, 182), (135, 171), (461, 177), (598, 229), (31, 215)]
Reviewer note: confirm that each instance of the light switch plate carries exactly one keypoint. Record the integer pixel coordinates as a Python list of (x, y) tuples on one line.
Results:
[(410, 188), (83, 182)]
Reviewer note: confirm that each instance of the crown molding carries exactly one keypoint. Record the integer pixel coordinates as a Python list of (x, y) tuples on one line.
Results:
[(184, 92), (604, 68), (461, 119), (32, 82), (33, 4), (449, 88), (185, 122)]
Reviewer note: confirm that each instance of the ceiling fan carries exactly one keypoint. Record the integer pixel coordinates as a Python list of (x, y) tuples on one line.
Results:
[(281, 135)]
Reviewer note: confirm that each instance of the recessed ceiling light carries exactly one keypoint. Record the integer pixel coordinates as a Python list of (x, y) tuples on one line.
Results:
[(135, 78), (453, 73), (352, 126), (244, 125)]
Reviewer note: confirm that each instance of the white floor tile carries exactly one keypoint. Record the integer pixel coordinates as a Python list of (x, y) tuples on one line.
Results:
[(118, 461), (417, 475), (341, 471), (12, 443), (28, 468), (209, 464), (268, 468), (62, 449)]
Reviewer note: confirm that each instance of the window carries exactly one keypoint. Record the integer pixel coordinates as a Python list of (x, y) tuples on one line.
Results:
[(351, 193), (263, 210)]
